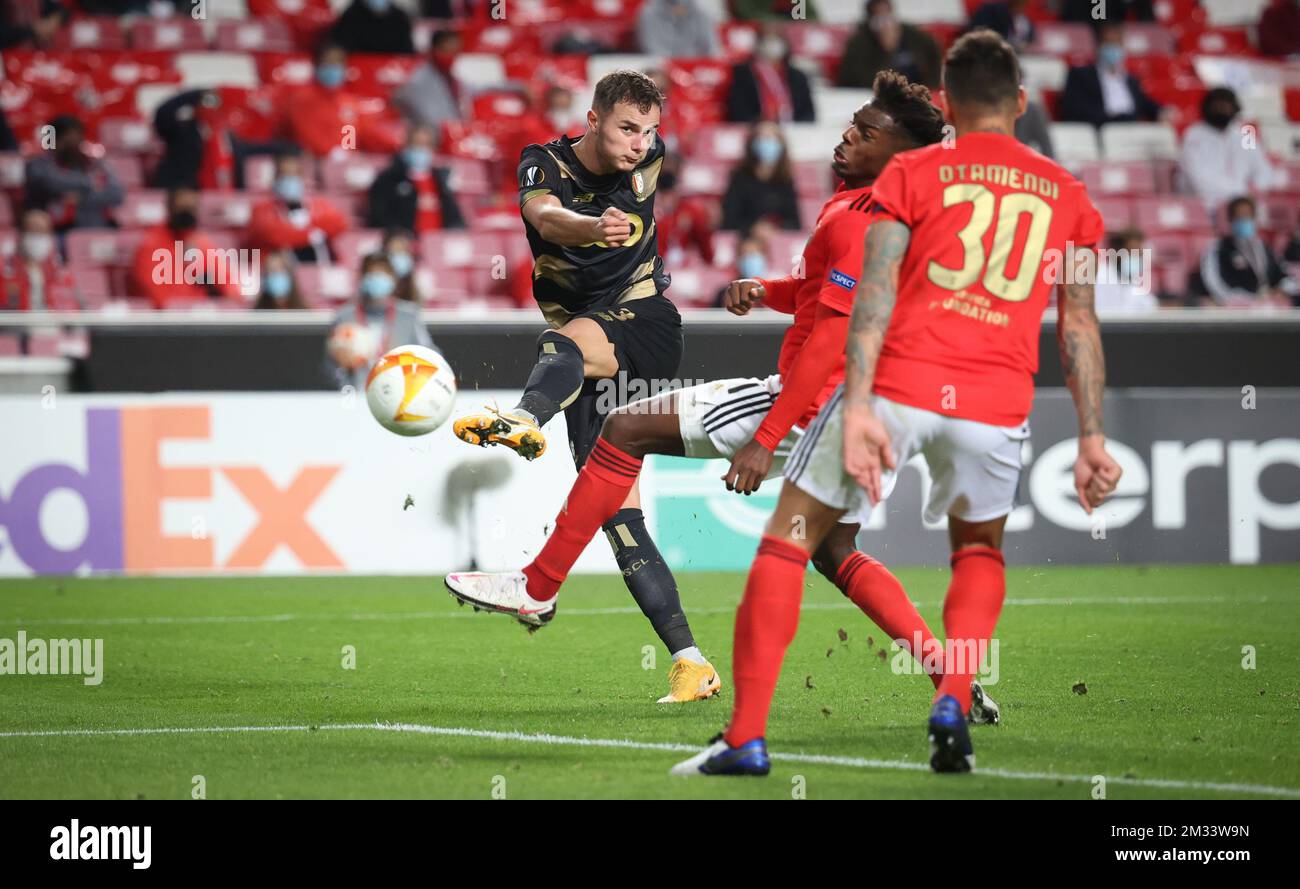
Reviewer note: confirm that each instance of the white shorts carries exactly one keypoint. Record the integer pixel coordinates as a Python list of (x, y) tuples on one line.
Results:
[(974, 467), (718, 419)]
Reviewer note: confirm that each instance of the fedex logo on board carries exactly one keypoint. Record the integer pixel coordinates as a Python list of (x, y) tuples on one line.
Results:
[(125, 485)]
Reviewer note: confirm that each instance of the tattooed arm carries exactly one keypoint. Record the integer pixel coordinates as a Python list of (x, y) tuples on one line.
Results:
[(1078, 335), (866, 443)]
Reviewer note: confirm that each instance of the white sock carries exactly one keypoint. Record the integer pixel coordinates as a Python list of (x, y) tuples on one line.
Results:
[(690, 654)]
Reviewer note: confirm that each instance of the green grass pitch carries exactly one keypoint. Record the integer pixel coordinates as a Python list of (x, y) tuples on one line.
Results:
[(471, 705)]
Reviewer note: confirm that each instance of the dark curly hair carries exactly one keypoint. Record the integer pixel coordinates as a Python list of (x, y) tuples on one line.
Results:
[(909, 105)]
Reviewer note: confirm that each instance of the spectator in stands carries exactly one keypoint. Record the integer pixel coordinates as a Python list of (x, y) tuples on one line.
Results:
[(399, 248), (72, 182), (279, 286), (683, 225), (767, 86), (751, 262), (374, 26), (1241, 271), (1125, 284), (1220, 159), (1104, 92), (881, 41), (432, 95), (1292, 252), (762, 186), (289, 219), (318, 113), (1008, 19), (33, 279), (39, 30), (176, 265), (412, 193), (373, 323), (1032, 127), (676, 29), (562, 112), (1279, 29)]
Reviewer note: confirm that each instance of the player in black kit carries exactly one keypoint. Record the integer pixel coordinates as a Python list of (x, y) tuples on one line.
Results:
[(588, 208)]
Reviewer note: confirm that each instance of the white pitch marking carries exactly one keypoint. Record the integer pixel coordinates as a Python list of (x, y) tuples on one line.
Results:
[(598, 612), (567, 741)]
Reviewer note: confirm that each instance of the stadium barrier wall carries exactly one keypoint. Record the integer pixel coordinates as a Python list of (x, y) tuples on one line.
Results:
[(308, 482)]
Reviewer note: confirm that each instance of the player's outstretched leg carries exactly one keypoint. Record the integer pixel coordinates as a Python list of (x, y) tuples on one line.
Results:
[(970, 614), (765, 626), (565, 357)]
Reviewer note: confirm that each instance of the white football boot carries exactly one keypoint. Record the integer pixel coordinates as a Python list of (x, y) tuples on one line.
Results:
[(505, 593)]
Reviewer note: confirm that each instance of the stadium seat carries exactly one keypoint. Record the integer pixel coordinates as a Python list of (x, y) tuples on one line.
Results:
[(481, 69), (836, 105), (326, 283), (917, 12), (1115, 212), (1147, 38), (467, 176), (1216, 42), (1167, 213), (456, 249), (225, 209), (351, 246), (352, 173), (813, 179), (254, 35), (284, 69), (1278, 213), (13, 169), (812, 141), (1138, 141), (93, 285), (11, 345), (176, 34), (697, 285), (1132, 178), (208, 69), (142, 208), (100, 246), (1064, 39), (1043, 72), (600, 65), (1233, 12), (8, 242), (705, 177), (127, 169), (725, 142), (1282, 140), (1074, 143), (126, 134), (90, 32)]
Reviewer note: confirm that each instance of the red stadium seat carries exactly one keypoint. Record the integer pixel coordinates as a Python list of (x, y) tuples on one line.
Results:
[(725, 142), (352, 173), (176, 34), (569, 71), (351, 247), (821, 42), (618, 34), (11, 345), (90, 32), (226, 209), (1069, 40), (705, 177), (1115, 212), (92, 283), (100, 246), (467, 176), (786, 247), (1216, 42), (13, 169), (1172, 249), (1148, 38), (6, 214), (812, 179), (496, 37), (142, 208), (326, 283), (1278, 214), (1170, 213), (127, 134), (458, 249), (379, 76), (1131, 178), (254, 35), (127, 169), (284, 69), (738, 40)]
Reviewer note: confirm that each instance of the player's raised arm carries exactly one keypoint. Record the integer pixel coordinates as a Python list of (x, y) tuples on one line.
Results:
[(566, 228), (866, 443), (1078, 335)]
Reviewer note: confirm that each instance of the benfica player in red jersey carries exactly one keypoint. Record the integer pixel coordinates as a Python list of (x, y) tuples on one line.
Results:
[(941, 351), (753, 422)]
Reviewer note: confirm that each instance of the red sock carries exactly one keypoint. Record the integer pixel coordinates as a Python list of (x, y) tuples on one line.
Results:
[(602, 486), (873, 588), (970, 612), (765, 624)]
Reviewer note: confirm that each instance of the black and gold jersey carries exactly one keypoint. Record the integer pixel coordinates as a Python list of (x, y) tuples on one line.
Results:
[(568, 281)]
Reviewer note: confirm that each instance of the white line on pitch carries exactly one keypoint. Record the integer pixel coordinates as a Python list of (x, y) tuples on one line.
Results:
[(567, 741), (597, 612)]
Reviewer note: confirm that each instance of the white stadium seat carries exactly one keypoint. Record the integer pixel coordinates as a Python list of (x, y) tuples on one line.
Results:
[(1074, 142), (1043, 72), (207, 69), (1138, 141), (1233, 12)]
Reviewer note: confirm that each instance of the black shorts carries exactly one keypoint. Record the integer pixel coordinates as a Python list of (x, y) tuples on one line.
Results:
[(647, 338)]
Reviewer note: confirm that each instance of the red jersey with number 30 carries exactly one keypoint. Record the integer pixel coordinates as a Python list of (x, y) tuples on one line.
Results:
[(992, 222)]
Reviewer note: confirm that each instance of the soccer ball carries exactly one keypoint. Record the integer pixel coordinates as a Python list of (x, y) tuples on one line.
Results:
[(352, 346), (411, 390)]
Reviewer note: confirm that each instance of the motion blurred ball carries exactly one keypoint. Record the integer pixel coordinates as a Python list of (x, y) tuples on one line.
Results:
[(352, 346), (411, 390)]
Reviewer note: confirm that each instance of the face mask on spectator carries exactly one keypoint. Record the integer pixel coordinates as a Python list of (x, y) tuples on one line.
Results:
[(751, 265), (379, 7), (289, 188), (402, 263), (183, 220), (378, 285), (37, 247), (881, 23), (1243, 229), (418, 160), (1220, 116), (767, 149), (1111, 55), (278, 284), (330, 76)]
